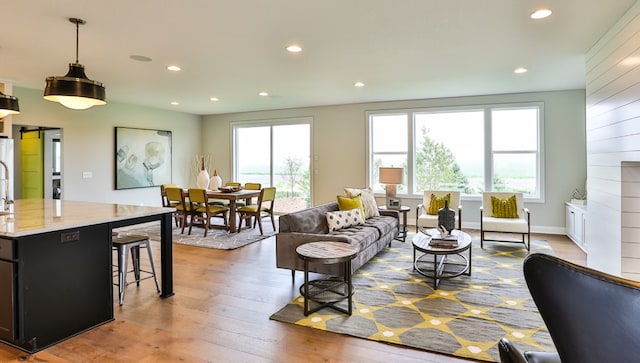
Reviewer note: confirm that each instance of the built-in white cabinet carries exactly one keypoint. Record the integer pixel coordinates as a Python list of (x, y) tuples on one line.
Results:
[(576, 218)]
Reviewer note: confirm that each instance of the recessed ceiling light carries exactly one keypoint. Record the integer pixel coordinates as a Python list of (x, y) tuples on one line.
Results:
[(263, 94), (293, 48), (540, 14), (140, 58), (175, 103), (214, 99), (520, 70), (173, 68), (358, 84)]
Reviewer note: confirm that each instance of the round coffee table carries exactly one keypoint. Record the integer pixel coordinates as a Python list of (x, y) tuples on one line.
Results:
[(440, 268), (331, 290)]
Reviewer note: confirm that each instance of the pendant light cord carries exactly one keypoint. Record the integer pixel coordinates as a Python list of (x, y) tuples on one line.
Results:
[(77, 39)]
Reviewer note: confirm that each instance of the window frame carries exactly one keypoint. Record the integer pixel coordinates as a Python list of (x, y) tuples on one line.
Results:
[(410, 113)]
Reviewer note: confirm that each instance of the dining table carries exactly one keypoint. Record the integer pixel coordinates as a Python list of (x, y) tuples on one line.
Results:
[(232, 197)]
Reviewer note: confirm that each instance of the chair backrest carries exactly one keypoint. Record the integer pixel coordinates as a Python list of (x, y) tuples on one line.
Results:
[(232, 184), (486, 202), (174, 194), (591, 316), (268, 194), (252, 186), (163, 193), (455, 198), (197, 196)]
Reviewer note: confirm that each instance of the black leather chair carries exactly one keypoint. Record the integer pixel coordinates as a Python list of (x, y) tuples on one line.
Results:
[(591, 316)]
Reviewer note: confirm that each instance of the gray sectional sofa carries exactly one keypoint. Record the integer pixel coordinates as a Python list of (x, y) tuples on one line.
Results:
[(310, 225)]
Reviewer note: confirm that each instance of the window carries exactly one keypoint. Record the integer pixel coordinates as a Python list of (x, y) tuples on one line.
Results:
[(470, 149), (275, 153)]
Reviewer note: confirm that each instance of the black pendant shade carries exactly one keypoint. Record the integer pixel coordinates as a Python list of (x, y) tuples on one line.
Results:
[(8, 105), (75, 90)]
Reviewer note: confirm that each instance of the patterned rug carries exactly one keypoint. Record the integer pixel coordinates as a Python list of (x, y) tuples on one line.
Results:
[(217, 237), (465, 317)]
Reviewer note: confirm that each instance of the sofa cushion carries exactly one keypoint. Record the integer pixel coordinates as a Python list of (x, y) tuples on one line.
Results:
[(384, 224), (368, 200), (360, 236), (344, 219)]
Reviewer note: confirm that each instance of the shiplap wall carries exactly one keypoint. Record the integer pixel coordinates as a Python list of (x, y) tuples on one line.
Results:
[(613, 141)]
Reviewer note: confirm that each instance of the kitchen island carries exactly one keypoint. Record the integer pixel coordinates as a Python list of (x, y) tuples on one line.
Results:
[(56, 267)]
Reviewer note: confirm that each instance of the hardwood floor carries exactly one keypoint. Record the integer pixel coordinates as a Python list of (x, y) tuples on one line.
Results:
[(220, 313)]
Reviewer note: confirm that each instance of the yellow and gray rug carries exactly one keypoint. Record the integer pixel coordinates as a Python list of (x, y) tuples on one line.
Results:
[(465, 317)]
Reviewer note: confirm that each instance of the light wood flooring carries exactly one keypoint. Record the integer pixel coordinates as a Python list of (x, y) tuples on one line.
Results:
[(220, 313)]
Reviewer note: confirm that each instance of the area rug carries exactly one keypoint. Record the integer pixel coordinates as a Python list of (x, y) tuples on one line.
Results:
[(217, 237), (465, 317)]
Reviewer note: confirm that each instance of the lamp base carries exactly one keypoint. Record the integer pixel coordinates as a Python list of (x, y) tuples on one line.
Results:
[(392, 201)]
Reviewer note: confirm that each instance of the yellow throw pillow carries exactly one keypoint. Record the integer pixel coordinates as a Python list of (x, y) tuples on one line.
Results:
[(438, 203), (345, 203), (504, 208)]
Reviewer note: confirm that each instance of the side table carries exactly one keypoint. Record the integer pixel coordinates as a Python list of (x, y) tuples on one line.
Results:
[(402, 233), (331, 290)]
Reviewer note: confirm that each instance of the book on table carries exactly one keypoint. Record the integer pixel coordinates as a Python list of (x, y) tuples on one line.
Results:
[(446, 241)]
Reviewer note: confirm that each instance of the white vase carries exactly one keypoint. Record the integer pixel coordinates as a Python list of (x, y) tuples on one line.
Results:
[(216, 181), (202, 181)]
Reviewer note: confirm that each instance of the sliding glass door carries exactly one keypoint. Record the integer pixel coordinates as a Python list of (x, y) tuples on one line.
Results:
[(276, 153)]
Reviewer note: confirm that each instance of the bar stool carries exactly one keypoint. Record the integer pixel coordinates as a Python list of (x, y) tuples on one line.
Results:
[(123, 244)]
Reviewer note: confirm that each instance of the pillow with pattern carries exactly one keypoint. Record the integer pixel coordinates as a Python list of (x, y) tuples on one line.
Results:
[(368, 200), (504, 208), (435, 204), (344, 219)]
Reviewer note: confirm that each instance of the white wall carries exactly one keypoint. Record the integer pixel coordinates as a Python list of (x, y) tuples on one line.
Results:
[(89, 141), (613, 137), (339, 142)]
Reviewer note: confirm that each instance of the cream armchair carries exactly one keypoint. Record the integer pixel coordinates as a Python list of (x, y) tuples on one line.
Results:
[(508, 216), (426, 220)]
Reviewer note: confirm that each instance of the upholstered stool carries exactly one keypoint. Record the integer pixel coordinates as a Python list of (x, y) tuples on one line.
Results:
[(123, 244)]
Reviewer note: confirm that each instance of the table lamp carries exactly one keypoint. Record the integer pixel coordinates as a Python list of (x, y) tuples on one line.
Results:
[(391, 177)]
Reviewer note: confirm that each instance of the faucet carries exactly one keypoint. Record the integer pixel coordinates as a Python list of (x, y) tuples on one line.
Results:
[(7, 201)]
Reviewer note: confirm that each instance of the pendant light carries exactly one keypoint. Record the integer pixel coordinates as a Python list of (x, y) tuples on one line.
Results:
[(8, 105), (75, 90)]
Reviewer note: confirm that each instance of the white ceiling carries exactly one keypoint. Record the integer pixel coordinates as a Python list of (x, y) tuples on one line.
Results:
[(232, 49)]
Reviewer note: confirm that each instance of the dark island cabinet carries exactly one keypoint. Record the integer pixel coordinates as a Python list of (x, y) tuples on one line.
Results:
[(54, 285)]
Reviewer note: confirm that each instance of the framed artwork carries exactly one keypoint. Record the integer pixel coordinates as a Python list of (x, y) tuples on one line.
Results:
[(142, 158)]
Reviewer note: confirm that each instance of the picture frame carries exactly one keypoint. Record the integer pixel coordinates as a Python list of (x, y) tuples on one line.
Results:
[(142, 157)]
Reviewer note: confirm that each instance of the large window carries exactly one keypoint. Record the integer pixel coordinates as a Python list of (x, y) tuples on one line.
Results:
[(275, 153), (473, 149)]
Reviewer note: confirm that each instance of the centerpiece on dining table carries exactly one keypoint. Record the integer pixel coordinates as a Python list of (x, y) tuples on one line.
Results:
[(230, 188)]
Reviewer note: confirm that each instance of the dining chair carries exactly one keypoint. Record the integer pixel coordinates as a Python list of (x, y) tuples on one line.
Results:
[(264, 208), (175, 198), (202, 211), (248, 186), (163, 195)]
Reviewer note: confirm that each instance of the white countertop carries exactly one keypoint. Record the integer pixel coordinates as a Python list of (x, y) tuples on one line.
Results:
[(32, 216)]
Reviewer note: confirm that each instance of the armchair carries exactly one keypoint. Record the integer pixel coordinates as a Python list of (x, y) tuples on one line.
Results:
[(427, 217), (504, 212), (590, 315)]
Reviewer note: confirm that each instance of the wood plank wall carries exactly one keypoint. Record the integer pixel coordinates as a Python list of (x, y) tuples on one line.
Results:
[(613, 139)]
